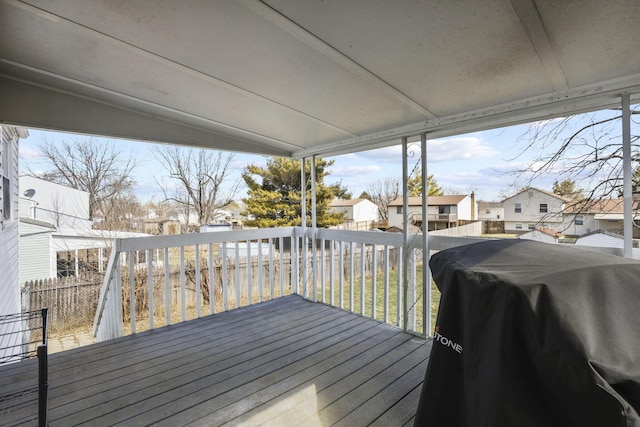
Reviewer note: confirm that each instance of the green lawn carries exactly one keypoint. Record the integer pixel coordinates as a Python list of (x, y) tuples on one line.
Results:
[(392, 312)]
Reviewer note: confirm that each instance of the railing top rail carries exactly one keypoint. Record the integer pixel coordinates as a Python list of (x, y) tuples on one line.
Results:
[(159, 242), (370, 237)]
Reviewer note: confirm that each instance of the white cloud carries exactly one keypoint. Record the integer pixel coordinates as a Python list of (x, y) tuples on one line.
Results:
[(461, 148), (29, 152), (353, 170), (438, 150)]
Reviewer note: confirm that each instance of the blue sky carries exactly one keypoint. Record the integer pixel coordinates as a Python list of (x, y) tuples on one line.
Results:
[(479, 162)]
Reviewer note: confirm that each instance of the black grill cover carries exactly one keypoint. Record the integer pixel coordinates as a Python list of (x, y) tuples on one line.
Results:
[(533, 334)]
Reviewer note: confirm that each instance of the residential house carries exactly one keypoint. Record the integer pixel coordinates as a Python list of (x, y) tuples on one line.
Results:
[(9, 215), (490, 211), (532, 208), (586, 216), (355, 210), (56, 238), (443, 211)]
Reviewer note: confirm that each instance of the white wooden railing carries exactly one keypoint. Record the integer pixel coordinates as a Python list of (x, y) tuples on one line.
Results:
[(146, 283)]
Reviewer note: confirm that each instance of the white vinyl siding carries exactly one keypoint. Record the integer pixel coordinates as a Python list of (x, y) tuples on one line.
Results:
[(9, 237), (35, 252)]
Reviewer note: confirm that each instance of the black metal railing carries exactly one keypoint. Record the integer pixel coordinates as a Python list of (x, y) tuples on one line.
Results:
[(24, 336)]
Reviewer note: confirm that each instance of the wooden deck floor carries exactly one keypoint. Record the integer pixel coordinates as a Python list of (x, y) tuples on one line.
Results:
[(282, 362)]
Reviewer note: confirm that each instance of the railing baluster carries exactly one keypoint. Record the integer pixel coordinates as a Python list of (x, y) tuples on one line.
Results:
[(331, 272), (322, 262), (183, 286), (386, 283), (132, 295), (212, 309), (149, 254), (399, 288), (198, 281), (281, 243), (259, 268), (225, 278), (363, 277), (295, 264), (167, 288), (374, 293), (352, 278), (271, 272), (249, 277), (237, 275), (341, 275)]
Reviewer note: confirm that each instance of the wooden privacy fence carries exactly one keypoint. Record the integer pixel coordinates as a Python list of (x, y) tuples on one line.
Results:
[(72, 301)]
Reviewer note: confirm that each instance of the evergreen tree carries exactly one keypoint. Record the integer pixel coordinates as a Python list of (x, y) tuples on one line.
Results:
[(414, 184), (274, 195), (567, 188)]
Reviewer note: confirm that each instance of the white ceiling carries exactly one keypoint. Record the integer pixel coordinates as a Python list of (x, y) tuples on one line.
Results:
[(302, 77)]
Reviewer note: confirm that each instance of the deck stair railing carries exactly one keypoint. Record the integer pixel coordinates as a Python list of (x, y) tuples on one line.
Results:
[(159, 280)]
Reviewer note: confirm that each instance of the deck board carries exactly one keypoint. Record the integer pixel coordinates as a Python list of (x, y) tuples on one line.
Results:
[(283, 362)]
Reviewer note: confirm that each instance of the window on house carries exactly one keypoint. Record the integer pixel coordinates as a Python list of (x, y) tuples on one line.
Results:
[(543, 208), (518, 208), (579, 219), (531, 226), (518, 226), (488, 211), (399, 210)]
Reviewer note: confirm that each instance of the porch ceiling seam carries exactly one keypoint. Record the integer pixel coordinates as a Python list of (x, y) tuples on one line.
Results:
[(534, 27), (332, 53)]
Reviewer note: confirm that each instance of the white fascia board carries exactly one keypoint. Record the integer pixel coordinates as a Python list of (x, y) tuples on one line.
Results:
[(558, 104)]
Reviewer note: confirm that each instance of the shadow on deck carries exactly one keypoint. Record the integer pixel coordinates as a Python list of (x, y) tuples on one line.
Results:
[(283, 362)]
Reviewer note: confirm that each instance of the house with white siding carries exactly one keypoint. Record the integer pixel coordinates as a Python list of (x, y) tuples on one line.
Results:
[(56, 238), (9, 219), (355, 210), (490, 211), (532, 208), (587, 216), (442, 212)]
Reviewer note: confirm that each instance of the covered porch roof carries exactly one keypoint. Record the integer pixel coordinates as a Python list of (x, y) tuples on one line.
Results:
[(299, 78)]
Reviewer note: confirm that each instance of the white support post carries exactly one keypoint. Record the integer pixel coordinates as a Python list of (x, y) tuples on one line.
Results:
[(405, 236), (314, 250), (303, 223), (426, 273), (626, 168)]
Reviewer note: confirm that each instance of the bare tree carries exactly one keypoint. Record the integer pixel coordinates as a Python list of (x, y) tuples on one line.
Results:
[(89, 165), (585, 149), (382, 193), (202, 180)]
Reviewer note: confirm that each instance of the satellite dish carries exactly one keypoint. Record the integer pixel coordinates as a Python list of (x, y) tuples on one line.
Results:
[(29, 193)]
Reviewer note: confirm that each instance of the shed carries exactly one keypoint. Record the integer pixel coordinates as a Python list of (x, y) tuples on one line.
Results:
[(542, 234)]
